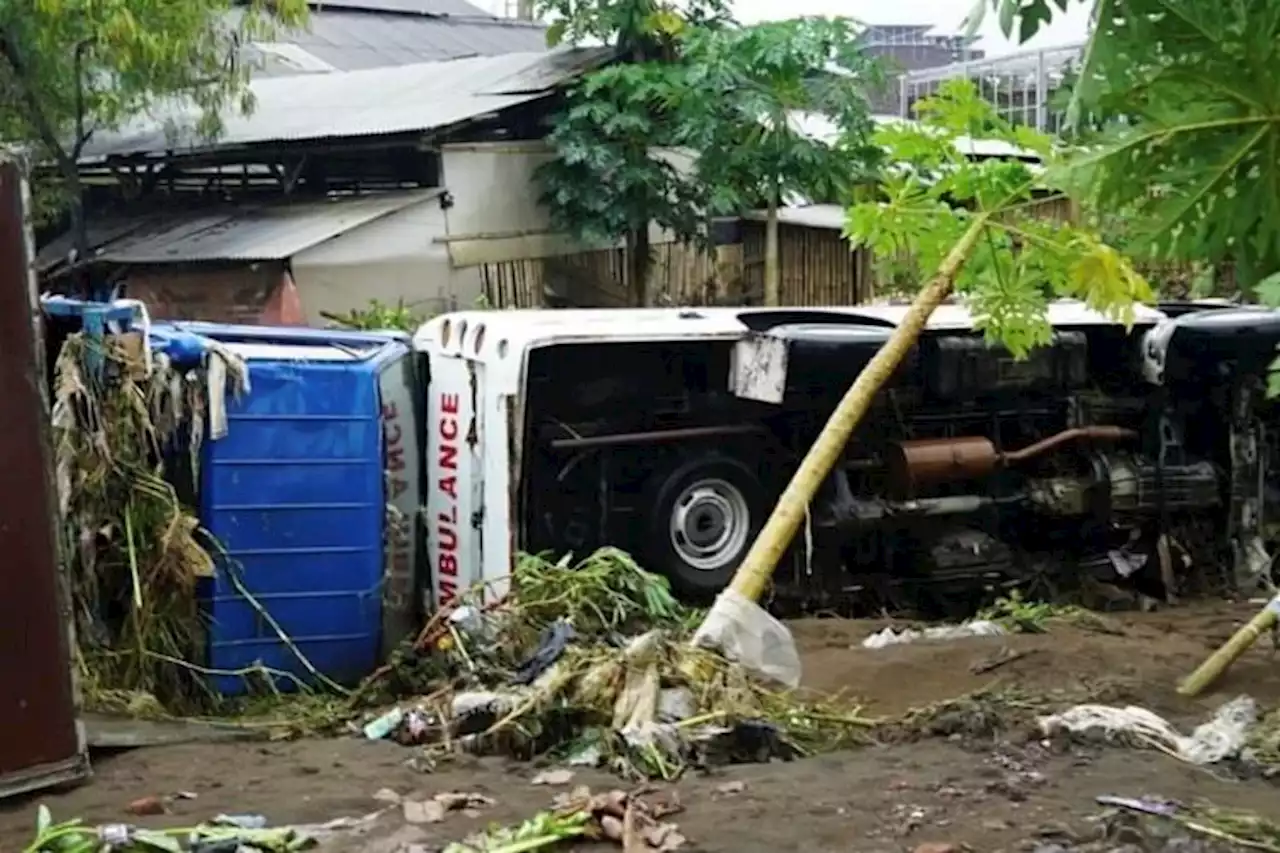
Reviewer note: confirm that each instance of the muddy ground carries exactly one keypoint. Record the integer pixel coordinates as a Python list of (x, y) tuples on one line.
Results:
[(1011, 793)]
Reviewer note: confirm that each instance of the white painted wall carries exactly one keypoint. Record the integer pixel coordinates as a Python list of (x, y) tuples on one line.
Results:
[(399, 256), (495, 214)]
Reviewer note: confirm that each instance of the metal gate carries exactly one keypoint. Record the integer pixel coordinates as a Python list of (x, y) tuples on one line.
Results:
[(42, 743)]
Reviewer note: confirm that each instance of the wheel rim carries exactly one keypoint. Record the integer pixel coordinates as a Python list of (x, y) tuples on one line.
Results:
[(710, 522)]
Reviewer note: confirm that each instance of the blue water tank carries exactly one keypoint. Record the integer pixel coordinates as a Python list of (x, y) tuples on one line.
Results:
[(296, 493)]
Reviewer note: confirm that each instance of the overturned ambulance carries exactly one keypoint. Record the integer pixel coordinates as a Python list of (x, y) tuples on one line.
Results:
[(1112, 453)]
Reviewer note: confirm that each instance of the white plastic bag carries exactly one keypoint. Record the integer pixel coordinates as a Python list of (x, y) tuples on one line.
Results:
[(744, 632)]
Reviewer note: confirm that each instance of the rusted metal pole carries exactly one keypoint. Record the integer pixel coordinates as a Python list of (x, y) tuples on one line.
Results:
[(41, 742)]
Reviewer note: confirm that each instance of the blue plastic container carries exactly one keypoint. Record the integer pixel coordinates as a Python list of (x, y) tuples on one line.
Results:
[(295, 493)]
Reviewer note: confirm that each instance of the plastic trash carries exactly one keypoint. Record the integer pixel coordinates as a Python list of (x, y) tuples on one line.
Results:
[(551, 645), (976, 628), (742, 631), (384, 725), (241, 821), (1221, 738)]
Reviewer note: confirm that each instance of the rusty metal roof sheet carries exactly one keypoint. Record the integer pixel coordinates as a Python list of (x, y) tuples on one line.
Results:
[(402, 99), (262, 233)]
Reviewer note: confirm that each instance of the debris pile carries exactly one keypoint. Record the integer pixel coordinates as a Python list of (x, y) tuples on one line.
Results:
[(629, 820), (127, 424), (1166, 825), (222, 834), (1222, 738), (592, 664)]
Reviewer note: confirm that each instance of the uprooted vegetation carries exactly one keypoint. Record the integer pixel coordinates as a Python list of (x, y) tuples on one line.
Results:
[(126, 426), (588, 663)]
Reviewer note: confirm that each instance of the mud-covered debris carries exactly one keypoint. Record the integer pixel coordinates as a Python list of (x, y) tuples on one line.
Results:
[(938, 847), (627, 820), (1222, 738), (435, 809), (553, 777), (1165, 826), (592, 665), (890, 637), (386, 795), (146, 806)]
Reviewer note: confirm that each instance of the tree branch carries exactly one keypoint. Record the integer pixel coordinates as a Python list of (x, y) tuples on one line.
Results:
[(39, 121)]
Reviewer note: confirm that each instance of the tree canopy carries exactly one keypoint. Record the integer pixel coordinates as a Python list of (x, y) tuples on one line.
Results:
[(73, 67), (1187, 95), (744, 94), (981, 221), (696, 82)]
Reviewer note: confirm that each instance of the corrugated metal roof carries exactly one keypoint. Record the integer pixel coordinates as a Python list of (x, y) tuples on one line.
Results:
[(351, 41), (265, 233), (402, 7), (404, 99), (822, 128), (828, 216)]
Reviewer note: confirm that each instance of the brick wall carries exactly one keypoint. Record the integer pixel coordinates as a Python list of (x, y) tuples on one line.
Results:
[(221, 295)]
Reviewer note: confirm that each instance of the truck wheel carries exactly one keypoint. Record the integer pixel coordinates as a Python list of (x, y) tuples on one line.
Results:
[(704, 516)]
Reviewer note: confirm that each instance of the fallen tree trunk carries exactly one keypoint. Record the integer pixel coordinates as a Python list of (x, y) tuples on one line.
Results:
[(757, 568)]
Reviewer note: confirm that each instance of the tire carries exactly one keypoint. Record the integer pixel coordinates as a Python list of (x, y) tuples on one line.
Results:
[(703, 518)]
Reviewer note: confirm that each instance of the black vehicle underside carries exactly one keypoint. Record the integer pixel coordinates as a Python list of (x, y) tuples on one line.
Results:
[(972, 472)]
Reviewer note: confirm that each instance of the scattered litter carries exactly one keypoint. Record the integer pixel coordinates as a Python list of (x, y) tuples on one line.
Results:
[(551, 645), (241, 821), (745, 633), (435, 809), (730, 788), (380, 727), (553, 777), (625, 819), (386, 795), (222, 835), (592, 664), (976, 628), (1221, 738), (146, 806), (1147, 805), (1238, 829)]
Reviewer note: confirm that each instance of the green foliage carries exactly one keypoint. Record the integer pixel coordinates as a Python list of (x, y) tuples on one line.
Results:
[(934, 195), (1191, 92), (1196, 162), (72, 67), (378, 316), (693, 81), (605, 180), (739, 88), (626, 24)]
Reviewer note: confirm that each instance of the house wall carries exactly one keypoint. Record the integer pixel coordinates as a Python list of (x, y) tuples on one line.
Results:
[(230, 293), (496, 226), (399, 257)]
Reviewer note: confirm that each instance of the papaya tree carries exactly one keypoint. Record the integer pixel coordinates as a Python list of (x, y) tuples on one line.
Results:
[(605, 181), (743, 91), (1194, 157), (693, 81), (1188, 97), (974, 222), (70, 68)]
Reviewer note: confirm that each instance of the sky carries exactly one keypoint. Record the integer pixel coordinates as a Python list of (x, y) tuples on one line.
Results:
[(945, 15)]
